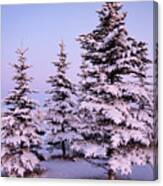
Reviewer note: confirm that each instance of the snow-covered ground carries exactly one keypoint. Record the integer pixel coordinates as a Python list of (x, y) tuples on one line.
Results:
[(145, 173), (82, 169)]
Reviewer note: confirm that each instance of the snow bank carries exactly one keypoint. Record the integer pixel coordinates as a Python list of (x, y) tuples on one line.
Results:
[(82, 169)]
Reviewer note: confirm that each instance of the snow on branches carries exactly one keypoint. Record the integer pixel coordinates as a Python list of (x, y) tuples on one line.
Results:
[(18, 129)]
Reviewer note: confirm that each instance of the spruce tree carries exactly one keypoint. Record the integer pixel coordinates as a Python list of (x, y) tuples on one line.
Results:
[(18, 129), (116, 93), (60, 105)]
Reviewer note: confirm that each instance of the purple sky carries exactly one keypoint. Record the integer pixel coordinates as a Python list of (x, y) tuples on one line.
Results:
[(41, 27)]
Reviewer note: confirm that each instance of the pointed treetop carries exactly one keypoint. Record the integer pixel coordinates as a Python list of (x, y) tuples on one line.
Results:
[(62, 46), (113, 5), (62, 54), (21, 59), (61, 64), (110, 8), (21, 51)]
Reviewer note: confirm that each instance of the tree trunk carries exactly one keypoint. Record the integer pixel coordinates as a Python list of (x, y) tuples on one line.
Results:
[(111, 175), (63, 149), (63, 146)]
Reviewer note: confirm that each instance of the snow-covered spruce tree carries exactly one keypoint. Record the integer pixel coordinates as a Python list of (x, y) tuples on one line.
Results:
[(121, 108), (18, 129), (60, 105)]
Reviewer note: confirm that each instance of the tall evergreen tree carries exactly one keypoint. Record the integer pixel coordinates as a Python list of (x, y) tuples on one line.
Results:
[(116, 93), (60, 104), (19, 132)]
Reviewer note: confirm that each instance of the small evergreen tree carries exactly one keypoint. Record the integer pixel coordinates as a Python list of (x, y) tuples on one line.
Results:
[(116, 94), (60, 104), (18, 129)]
